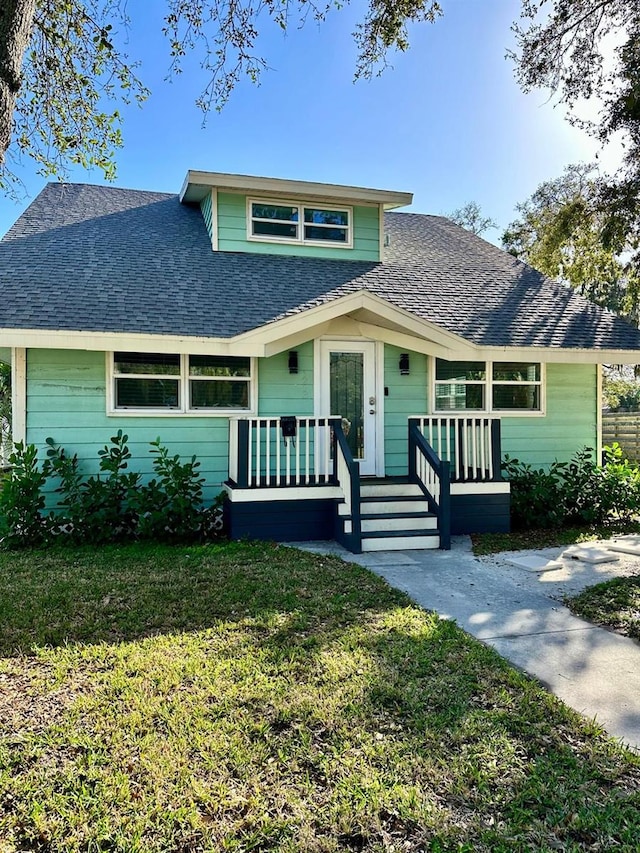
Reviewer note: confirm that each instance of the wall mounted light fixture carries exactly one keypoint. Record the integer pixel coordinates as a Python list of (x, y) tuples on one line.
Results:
[(293, 361), (404, 364)]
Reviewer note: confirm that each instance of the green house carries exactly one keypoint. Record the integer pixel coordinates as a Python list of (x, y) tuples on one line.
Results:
[(341, 370)]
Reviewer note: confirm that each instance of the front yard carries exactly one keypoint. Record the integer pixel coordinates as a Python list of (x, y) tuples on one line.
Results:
[(255, 698)]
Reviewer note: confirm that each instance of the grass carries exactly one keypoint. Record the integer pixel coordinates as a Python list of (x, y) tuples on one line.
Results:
[(614, 604), (254, 698), (519, 540)]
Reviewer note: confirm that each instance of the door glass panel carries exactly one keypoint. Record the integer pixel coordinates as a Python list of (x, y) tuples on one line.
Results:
[(346, 390)]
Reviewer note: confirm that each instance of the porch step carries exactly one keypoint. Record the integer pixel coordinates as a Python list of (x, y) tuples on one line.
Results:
[(390, 504), (400, 540), (388, 490), (394, 521)]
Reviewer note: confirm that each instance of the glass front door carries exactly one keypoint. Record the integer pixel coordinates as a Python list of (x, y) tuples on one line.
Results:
[(349, 391)]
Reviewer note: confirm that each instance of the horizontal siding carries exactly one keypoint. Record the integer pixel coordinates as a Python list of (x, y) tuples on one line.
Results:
[(5, 354), (407, 396), (570, 422), (284, 393), (66, 400), (205, 207), (232, 234)]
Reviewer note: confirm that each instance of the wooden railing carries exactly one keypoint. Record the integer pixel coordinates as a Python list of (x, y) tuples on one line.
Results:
[(432, 474), (260, 456), (347, 476), (470, 444)]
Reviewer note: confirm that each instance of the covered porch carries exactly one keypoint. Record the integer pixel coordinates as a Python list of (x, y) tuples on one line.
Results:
[(298, 478)]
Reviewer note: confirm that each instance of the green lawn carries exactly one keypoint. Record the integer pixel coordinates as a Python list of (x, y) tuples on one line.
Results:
[(518, 540), (256, 698), (614, 603)]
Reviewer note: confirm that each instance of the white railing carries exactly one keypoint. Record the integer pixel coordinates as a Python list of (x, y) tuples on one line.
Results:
[(470, 444), (261, 455)]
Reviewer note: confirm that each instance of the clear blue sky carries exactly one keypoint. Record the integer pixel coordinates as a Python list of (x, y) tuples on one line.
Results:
[(447, 122)]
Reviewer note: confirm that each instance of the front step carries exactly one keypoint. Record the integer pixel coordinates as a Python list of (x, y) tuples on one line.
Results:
[(401, 540), (394, 516)]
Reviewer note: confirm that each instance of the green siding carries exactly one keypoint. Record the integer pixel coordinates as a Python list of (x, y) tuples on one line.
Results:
[(407, 396), (66, 399), (570, 422), (5, 354), (284, 393), (205, 207), (232, 234)]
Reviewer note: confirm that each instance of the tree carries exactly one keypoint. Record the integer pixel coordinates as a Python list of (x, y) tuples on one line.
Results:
[(470, 217), (560, 232), (63, 68)]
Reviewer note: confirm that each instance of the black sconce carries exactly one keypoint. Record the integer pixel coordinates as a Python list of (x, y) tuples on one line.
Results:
[(404, 364), (293, 361)]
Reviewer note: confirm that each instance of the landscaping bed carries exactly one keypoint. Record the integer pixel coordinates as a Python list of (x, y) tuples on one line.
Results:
[(254, 697)]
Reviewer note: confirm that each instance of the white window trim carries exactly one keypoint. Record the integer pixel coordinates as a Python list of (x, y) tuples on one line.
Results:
[(488, 383), (300, 240), (183, 409)]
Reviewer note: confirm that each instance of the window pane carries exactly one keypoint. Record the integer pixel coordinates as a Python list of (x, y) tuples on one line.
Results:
[(145, 362), (514, 371), (219, 365), (346, 392), (454, 398), (274, 211), (275, 229), (219, 395), (526, 397), (460, 370), (147, 393), (317, 232), (326, 217)]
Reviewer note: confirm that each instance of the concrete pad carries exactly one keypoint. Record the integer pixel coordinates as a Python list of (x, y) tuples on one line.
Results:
[(626, 547), (534, 563), (589, 555)]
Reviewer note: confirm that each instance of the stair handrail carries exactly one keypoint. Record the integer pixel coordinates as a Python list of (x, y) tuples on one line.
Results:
[(433, 476), (346, 472)]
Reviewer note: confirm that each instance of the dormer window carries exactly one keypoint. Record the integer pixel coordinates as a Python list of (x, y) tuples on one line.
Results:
[(287, 222)]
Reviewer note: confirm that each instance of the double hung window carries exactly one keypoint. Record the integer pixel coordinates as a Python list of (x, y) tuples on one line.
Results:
[(160, 382), (299, 223)]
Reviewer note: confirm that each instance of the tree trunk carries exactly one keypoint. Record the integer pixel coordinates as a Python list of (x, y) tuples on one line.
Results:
[(16, 21)]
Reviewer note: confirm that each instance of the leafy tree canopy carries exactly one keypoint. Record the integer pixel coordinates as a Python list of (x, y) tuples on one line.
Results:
[(470, 217), (560, 232)]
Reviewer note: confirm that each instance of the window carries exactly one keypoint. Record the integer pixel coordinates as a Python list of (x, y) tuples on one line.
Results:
[(499, 386), (299, 223), (160, 382)]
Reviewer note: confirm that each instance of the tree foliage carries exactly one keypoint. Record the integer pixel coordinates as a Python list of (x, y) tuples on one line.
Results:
[(561, 232), (470, 216)]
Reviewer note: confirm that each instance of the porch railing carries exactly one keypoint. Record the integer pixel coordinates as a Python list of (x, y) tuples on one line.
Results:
[(347, 475), (6, 445), (432, 474), (470, 444), (262, 456)]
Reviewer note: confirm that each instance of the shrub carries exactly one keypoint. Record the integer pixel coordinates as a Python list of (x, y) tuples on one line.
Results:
[(170, 508), (96, 508), (574, 492), (22, 519)]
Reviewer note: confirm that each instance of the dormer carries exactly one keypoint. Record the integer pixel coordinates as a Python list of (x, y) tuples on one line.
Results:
[(282, 217)]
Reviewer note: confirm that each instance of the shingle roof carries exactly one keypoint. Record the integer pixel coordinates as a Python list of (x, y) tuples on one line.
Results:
[(91, 258)]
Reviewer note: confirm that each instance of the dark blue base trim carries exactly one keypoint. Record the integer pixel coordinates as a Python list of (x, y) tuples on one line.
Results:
[(281, 521), (480, 513)]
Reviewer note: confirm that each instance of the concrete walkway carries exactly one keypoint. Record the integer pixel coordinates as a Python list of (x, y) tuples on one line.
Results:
[(513, 610)]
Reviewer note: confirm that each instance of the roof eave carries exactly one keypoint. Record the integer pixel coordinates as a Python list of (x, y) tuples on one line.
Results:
[(197, 184)]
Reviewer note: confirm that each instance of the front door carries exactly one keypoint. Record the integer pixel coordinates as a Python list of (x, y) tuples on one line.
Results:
[(348, 390)]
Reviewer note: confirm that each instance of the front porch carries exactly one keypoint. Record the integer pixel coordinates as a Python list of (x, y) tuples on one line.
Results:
[(296, 479)]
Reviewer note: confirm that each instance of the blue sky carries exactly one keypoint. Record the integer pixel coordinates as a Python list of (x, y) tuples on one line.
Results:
[(447, 122)]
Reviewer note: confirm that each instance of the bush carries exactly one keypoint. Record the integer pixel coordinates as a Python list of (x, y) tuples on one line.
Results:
[(113, 505), (96, 509), (574, 492), (22, 519)]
